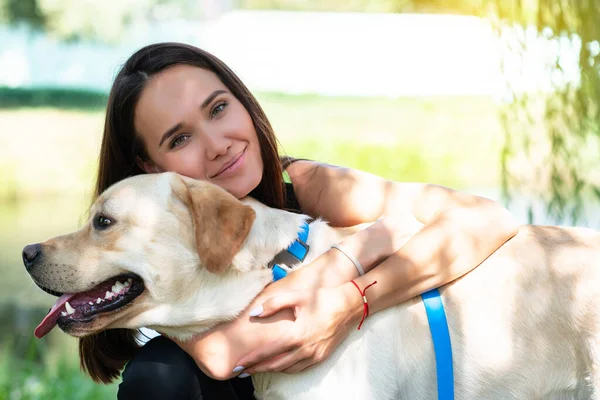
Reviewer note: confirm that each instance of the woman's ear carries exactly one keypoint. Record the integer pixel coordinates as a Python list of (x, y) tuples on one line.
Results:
[(147, 166)]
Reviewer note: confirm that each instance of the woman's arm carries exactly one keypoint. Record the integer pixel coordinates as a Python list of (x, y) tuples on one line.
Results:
[(457, 231)]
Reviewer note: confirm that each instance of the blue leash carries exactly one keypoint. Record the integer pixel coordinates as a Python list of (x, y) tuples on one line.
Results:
[(438, 325)]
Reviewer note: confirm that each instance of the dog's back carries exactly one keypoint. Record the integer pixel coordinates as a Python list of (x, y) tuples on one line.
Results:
[(524, 324)]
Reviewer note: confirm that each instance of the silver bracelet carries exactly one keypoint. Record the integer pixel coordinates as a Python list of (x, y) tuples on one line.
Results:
[(357, 264)]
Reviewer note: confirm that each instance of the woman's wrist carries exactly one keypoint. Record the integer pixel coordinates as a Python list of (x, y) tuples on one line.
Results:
[(338, 270), (364, 250), (354, 303), (327, 270)]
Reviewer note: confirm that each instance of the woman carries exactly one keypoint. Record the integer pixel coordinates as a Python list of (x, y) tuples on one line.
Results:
[(174, 107)]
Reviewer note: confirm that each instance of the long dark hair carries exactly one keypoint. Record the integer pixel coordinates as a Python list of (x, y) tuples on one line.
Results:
[(104, 355)]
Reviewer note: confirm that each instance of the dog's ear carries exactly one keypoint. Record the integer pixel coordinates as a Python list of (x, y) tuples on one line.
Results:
[(221, 223), (103, 355)]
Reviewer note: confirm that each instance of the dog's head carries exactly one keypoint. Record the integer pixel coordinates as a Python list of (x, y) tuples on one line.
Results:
[(145, 240)]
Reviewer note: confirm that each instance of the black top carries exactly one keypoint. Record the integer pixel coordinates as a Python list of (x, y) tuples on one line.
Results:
[(291, 202)]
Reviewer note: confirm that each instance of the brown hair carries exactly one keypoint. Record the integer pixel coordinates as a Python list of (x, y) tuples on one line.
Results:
[(104, 355)]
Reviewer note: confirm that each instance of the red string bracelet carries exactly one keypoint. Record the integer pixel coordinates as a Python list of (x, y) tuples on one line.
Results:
[(365, 302)]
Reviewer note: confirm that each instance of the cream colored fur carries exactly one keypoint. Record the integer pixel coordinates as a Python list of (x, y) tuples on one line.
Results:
[(524, 324)]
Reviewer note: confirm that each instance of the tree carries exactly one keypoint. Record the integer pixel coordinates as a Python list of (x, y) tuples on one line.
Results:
[(95, 19), (21, 11), (551, 145)]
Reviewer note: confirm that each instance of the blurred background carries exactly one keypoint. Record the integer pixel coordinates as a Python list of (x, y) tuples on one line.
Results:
[(496, 97)]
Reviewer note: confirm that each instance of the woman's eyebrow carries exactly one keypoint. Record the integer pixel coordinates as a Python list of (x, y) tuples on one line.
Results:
[(211, 97), (169, 133), (204, 104)]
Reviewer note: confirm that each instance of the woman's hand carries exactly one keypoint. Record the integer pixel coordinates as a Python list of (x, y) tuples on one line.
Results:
[(323, 319), (219, 350)]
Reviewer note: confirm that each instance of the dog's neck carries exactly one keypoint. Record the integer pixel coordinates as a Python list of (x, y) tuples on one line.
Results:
[(273, 231)]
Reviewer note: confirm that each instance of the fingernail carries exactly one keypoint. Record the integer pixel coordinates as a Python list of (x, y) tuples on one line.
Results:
[(243, 375), (238, 369), (256, 311)]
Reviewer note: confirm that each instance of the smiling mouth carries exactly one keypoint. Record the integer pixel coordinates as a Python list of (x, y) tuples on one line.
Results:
[(229, 165), (80, 308)]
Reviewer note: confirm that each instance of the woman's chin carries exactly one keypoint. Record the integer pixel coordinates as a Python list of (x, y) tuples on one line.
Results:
[(241, 187)]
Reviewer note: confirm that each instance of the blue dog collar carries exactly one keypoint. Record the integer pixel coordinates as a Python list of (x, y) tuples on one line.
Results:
[(294, 254), (440, 335)]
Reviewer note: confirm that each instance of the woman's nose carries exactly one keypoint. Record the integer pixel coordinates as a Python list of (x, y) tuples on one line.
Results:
[(216, 145)]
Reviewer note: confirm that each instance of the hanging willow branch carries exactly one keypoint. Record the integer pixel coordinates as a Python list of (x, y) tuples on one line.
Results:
[(551, 149)]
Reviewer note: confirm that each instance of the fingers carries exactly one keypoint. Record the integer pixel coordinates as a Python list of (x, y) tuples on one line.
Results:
[(278, 363), (277, 303), (283, 361), (272, 365), (308, 357), (267, 353), (292, 362), (300, 366)]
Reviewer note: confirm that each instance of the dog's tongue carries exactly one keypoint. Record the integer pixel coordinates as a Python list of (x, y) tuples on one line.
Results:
[(49, 321)]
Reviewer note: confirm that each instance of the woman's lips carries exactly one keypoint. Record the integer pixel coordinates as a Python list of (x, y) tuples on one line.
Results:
[(238, 161)]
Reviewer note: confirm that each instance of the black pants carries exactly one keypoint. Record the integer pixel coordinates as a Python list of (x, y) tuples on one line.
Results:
[(162, 370)]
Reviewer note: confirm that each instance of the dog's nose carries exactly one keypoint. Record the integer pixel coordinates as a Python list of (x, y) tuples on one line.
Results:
[(30, 253)]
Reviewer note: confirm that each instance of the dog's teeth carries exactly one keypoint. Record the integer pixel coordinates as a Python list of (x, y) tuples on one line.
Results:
[(117, 287), (127, 282), (70, 310), (90, 303), (109, 295), (99, 300), (64, 314)]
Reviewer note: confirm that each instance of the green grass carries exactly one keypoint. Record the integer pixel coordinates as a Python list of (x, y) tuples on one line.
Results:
[(59, 377), (453, 141), (26, 380)]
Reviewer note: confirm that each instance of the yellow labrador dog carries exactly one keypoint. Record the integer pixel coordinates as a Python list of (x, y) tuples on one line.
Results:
[(177, 255)]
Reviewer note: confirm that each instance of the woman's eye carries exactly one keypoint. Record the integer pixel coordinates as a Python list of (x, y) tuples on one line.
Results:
[(217, 109), (178, 141)]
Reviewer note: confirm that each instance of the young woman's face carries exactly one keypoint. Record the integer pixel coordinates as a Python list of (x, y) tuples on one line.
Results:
[(191, 124)]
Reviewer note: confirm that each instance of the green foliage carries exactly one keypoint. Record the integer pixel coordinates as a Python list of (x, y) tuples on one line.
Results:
[(102, 20), (17, 11), (558, 154), (52, 97), (31, 379)]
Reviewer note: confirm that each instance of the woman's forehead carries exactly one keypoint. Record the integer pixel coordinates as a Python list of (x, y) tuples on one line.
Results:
[(183, 80), (171, 95)]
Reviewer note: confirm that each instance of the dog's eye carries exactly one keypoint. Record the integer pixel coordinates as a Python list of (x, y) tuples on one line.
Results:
[(102, 222)]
